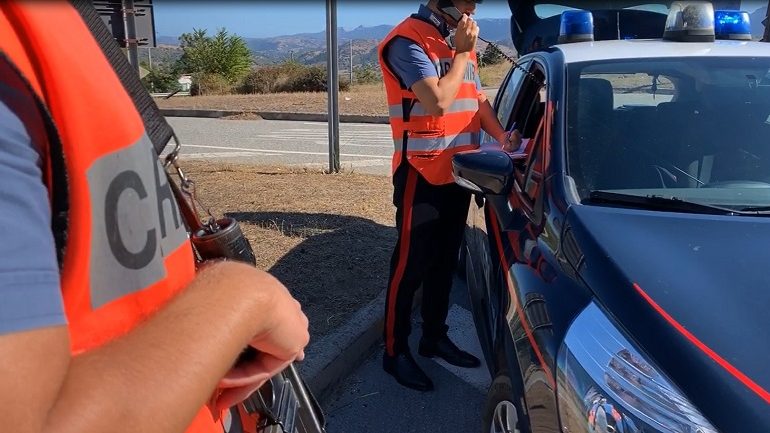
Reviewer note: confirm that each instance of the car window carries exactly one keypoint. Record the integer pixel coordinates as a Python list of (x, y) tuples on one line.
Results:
[(694, 128), (529, 115), (507, 99)]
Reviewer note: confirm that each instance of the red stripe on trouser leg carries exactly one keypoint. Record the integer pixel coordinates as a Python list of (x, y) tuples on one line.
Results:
[(403, 256)]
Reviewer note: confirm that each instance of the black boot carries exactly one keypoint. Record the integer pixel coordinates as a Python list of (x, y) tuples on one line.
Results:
[(446, 350), (406, 371)]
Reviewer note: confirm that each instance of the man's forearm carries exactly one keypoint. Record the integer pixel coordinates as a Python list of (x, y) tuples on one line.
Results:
[(158, 376), (489, 121), (450, 83)]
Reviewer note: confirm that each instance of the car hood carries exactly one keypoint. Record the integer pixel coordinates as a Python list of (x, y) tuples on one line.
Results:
[(612, 20), (694, 292)]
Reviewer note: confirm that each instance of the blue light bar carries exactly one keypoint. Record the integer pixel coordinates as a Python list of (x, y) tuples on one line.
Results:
[(732, 25), (576, 26)]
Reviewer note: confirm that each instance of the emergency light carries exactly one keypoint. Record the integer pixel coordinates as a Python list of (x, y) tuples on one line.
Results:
[(576, 26), (733, 25), (690, 21)]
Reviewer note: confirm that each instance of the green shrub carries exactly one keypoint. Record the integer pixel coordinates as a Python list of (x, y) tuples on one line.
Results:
[(311, 79), (161, 79), (210, 84), (368, 74), (288, 77), (263, 80)]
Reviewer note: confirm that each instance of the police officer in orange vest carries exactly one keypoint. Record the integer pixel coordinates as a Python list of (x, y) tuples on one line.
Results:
[(104, 323), (437, 108)]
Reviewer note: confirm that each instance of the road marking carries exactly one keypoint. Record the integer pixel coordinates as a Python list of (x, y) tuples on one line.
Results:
[(288, 152), (225, 154)]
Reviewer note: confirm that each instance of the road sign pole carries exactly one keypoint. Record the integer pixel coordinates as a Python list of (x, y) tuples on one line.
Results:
[(132, 43), (333, 85)]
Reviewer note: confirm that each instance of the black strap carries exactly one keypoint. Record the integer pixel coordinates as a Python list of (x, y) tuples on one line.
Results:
[(155, 124), (18, 95)]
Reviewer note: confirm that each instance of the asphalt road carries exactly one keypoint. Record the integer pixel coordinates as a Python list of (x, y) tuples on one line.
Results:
[(371, 401), (363, 147)]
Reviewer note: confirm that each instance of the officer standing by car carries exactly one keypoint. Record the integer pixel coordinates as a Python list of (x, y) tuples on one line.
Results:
[(437, 108), (119, 332)]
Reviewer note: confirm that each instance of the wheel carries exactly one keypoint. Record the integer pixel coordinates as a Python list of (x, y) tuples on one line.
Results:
[(501, 414)]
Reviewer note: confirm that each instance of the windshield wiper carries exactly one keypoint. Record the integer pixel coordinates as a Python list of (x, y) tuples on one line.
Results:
[(657, 202), (757, 210)]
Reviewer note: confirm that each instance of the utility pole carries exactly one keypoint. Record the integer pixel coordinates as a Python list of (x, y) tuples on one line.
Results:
[(351, 61), (132, 43), (333, 85), (149, 55)]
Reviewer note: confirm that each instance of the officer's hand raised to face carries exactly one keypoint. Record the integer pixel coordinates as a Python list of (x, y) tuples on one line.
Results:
[(466, 35)]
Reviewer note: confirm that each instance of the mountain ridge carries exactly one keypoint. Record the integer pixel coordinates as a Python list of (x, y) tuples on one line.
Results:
[(310, 48)]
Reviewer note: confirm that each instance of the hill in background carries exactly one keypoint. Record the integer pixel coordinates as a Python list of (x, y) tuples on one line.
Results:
[(310, 48)]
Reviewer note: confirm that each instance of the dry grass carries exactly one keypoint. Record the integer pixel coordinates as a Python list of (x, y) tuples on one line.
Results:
[(493, 75), (366, 99), (327, 237), (362, 100)]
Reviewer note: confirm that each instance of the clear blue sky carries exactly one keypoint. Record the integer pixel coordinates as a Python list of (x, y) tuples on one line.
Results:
[(263, 18), (281, 17)]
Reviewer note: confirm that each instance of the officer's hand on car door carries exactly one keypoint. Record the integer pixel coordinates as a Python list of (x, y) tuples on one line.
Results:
[(510, 141), (280, 340), (466, 35)]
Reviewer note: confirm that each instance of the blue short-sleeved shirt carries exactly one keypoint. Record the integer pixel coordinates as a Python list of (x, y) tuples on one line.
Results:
[(30, 294), (409, 61)]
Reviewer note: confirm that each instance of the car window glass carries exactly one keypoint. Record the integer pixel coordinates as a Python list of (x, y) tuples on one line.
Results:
[(508, 97), (694, 128), (529, 115)]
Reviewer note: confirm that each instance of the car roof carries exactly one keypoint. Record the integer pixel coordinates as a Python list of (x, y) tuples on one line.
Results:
[(657, 48)]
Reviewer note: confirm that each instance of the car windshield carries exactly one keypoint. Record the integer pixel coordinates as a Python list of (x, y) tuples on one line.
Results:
[(696, 129)]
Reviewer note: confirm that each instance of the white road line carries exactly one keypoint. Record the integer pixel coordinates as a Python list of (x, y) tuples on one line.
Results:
[(383, 146), (288, 152), (367, 163), (225, 154)]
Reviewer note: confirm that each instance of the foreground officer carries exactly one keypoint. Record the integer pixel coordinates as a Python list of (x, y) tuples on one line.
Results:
[(104, 323), (437, 108)]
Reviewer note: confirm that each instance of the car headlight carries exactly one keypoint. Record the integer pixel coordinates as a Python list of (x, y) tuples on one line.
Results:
[(606, 385)]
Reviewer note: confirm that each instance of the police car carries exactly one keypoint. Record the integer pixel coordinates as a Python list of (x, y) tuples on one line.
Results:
[(619, 263)]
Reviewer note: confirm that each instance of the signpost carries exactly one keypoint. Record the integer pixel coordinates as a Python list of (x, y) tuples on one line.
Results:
[(333, 86), (131, 23)]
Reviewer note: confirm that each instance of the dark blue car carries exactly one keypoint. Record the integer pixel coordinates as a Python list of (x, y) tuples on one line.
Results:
[(619, 266)]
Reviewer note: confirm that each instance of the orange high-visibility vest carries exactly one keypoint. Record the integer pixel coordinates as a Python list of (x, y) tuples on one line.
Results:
[(430, 141), (127, 251)]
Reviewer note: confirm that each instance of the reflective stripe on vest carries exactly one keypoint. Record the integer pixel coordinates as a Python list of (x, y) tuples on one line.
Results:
[(437, 144), (458, 106), (127, 251), (430, 140)]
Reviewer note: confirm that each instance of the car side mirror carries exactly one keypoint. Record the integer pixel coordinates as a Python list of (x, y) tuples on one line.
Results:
[(488, 172)]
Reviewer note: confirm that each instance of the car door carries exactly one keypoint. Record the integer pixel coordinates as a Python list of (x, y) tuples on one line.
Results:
[(523, 243), (485, 296)]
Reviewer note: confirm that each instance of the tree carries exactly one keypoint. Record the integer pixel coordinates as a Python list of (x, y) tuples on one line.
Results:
[(223, 54), (161, 78), (491, 56)]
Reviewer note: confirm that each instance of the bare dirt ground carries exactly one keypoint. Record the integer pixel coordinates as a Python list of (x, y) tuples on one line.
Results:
[(328, 238)]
